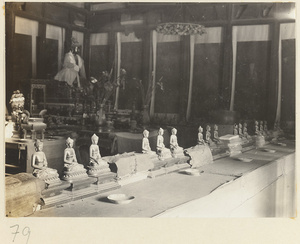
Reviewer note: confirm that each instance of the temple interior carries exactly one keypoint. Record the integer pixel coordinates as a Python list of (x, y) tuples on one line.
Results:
[(150, 109)]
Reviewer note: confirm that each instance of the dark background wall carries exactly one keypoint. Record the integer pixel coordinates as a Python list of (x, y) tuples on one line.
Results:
[(256, 72)]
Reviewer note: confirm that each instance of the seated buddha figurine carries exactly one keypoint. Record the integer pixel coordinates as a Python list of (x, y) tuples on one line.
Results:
[(40, 165), (145, 143), (200, 139), (245, 131), (176, 150), (96, 165), (216, 138), (72, 169), (256, 128), (162, 151), (208, 135), (235, 129), (261, 128), (240, 130)]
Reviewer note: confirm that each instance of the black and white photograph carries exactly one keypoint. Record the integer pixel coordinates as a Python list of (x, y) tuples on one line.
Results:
[(148, 110)]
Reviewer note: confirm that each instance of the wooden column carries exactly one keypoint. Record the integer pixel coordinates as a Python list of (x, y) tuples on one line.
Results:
[(274, 68), (9, 40), (41, 71), (146, 61), (191, 74), (154, 50), (225, 86), (118, 63)]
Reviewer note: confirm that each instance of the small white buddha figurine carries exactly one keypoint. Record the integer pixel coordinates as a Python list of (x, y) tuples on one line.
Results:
[(145, 143), (208, 135), (69, 153), (256, 128), (174, 147), (216, 134), (261, 127), (160, 146), (95, 156), (72, 169), (97, 165), (235, 129), (240, 130), (245, 131), (40, 165), (200, 136)]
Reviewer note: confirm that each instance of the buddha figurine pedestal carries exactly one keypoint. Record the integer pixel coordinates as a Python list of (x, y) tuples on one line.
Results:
[(55, 195), (76, 175), (55, 189), (106, 181), (82, 188), (96, 170)]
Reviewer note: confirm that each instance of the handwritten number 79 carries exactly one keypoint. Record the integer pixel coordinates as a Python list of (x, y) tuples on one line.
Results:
[(25, 232)]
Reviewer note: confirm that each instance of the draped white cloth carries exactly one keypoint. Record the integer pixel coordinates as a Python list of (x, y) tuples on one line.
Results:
[(71, 71)]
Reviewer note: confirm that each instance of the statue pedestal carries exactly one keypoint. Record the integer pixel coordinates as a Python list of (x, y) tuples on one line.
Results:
[(53, 195), (79, 184), (55, 189), (106, 181), (98, 170), (76, 173), (82, 188)]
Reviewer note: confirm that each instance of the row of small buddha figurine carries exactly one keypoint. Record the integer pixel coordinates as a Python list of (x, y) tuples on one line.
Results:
[(161, 150), (72, 169), (175, 150), (98, 165)]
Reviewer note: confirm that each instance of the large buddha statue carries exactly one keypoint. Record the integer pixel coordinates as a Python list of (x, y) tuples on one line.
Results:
[(40, 165)]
